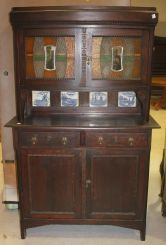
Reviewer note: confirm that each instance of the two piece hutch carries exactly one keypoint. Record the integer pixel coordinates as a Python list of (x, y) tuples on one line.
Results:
[(82, 133)]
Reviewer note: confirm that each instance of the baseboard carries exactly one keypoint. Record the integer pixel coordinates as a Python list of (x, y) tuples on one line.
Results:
[(8, 161)]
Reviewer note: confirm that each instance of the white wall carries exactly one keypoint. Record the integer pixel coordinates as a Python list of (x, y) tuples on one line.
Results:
[(161, 8), (7, 90), (67, 2)]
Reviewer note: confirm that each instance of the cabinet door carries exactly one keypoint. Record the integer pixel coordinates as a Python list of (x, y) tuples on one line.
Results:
[(115, 55), (50, 56), (116, 184), (50, 182)]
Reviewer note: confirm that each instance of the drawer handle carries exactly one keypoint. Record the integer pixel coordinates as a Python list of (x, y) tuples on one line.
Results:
[(87, 183), (100, 140), (64, 140), (34, 140), (131, 141), (49, 138)]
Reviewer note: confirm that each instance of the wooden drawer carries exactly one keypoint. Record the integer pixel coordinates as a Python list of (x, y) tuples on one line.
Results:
[(53, 139), (97, 139)]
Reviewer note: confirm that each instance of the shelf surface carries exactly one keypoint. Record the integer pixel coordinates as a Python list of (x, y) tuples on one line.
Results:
[(67, 122)]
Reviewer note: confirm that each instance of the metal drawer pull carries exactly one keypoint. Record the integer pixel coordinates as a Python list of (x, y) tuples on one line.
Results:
[(34, 140), (100, 140), (64, 140), (131, 141), (49, 138), (87, 183)]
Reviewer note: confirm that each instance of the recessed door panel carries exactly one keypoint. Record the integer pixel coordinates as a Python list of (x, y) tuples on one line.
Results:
[(51, 183), (116, 179)]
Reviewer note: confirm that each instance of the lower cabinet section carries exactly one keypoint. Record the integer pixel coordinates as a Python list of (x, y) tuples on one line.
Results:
[(82, 185)]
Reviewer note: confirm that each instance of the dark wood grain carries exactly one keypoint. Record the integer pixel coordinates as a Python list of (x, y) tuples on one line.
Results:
[(51, 183), (82, 165), (80, 23), (108, 168)]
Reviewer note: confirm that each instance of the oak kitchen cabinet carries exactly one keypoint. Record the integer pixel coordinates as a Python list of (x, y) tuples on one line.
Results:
[(82, 133)]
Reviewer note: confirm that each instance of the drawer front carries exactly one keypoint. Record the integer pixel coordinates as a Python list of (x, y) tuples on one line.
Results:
[(97, 139), (53, 139)]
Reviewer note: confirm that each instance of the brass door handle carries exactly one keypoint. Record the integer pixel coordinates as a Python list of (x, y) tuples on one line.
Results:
[(100, 140), (34, 140), (49, 138), (64, 140), (87, 183), (131, 141)]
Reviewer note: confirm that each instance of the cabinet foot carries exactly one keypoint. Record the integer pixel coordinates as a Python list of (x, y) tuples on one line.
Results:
[(163, 209), (23, 233), (142, 234)]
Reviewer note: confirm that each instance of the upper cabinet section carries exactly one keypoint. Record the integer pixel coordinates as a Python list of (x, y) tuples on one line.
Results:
[(88, 61), (76, 45)]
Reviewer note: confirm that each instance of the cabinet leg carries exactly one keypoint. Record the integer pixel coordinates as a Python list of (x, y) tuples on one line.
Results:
[(163, 209), (142, 234), (23, 232)]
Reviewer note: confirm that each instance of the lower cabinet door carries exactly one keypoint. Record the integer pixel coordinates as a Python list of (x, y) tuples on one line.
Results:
[(116, 183), (51, 183)]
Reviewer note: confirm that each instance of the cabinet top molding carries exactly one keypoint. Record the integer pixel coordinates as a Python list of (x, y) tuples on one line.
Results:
[(83, 15)]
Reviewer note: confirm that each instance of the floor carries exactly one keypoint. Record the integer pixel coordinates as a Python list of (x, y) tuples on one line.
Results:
[(97, 235)]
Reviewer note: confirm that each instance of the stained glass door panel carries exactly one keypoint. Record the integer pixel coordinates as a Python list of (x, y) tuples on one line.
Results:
[(116, 58), (50, 57)]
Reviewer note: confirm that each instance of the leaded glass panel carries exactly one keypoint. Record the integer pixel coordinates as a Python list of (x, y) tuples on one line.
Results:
[(50, 57), (116, 58)]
